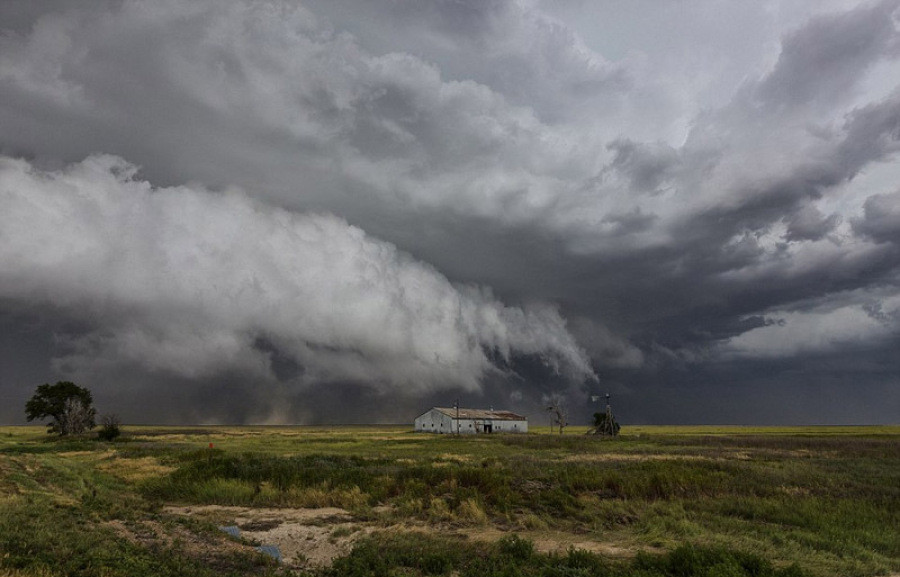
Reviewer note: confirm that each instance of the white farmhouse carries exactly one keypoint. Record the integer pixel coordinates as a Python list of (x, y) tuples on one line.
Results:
[(469, 421)]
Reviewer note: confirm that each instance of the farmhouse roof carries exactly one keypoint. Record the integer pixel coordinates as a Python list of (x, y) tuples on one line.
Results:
[(481, 414)]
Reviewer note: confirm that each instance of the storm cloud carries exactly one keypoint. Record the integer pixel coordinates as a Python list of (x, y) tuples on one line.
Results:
[(394, 203), (187, 282)]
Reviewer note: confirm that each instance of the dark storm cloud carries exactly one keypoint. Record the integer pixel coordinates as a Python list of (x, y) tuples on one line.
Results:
[(530, 58), (172, 285), (809, 223), (568, 204), (820, 63), (647, 166), (881, 218)]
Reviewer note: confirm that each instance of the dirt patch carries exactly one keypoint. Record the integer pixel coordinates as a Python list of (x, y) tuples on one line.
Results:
[(313, 538), (310, 545), (305, 537)]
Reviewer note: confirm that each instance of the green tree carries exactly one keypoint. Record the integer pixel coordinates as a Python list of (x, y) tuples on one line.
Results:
[(69, 405)]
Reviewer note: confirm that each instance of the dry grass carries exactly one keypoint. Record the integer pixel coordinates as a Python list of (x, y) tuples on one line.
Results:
[(40, 571), (818, 496), (634, 457), (135, 470)]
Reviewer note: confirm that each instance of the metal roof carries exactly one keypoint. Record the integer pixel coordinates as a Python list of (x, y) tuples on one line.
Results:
[(481, 414)]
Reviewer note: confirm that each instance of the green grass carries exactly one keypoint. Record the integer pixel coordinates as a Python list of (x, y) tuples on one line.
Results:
[(717, 500), (414, 554)]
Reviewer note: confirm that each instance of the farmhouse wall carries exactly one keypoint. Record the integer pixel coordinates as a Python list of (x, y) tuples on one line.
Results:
[(438, 421)]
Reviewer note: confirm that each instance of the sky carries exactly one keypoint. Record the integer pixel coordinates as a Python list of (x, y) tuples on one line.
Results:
[(332, 211)]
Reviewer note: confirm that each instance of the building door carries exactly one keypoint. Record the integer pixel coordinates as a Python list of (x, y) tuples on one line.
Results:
[(488, 428)]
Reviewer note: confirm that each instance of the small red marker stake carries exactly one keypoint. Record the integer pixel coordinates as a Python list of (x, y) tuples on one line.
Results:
[(210, 445)]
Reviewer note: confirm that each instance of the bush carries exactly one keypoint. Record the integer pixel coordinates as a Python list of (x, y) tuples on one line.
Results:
[(515, 547), (110, 428), (687, 560)]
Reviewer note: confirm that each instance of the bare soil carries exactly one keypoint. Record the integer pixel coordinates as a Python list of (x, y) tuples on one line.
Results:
[(315, 537), (305, 537)]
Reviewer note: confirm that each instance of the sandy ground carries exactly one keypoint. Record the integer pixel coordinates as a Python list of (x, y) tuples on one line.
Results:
[(305, 537), (315, 537)]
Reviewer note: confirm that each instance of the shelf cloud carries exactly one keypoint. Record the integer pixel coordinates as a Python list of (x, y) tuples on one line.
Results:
[(387, 204), (188, 282)]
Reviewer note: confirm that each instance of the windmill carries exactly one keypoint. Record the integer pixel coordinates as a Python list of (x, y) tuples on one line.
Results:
[(605, 424)]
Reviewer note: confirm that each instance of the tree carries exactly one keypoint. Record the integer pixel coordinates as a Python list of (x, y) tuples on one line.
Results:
[(558, 416), (69, 405)]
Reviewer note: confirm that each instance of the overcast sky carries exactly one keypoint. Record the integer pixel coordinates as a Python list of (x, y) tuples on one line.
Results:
[(340, 211)]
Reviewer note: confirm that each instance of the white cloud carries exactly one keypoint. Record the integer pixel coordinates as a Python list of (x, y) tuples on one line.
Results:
[(185, 281), (790, 334)]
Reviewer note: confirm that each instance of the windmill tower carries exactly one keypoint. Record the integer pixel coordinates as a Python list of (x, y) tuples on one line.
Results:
[(607, 425), (608, 428)]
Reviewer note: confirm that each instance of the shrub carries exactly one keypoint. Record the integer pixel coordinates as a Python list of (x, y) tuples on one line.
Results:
[(110, 428), (516, 547)]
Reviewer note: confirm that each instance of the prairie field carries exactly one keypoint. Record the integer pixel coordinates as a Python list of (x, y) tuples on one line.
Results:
[(382, 500)]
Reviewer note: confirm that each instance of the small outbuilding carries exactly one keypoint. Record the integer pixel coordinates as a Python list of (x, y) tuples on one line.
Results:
[(450, 420)]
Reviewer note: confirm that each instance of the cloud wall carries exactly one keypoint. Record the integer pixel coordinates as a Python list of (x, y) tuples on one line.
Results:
[(194, 283)]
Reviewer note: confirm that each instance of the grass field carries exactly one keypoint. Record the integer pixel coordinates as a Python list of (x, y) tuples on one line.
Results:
[(655, 501)]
